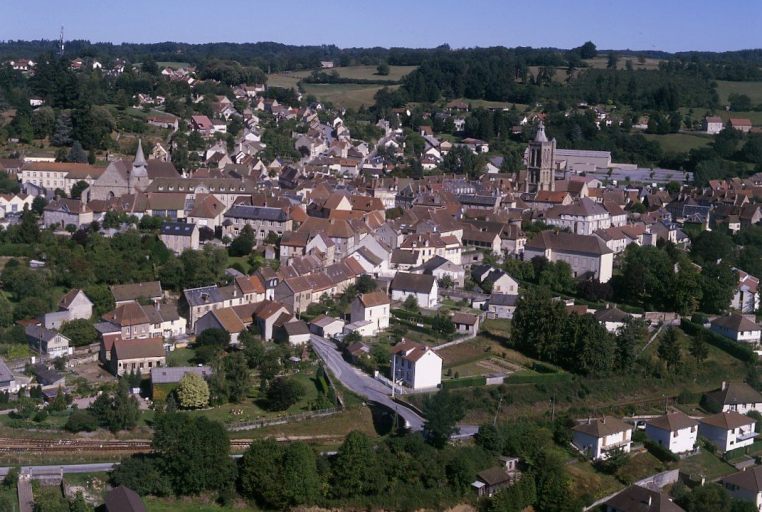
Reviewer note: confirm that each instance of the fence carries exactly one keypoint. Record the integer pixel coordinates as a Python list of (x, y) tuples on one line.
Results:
[(251, 425)]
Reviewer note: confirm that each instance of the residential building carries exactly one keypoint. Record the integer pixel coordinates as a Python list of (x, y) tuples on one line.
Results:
[(466, 323), (588, 256), (179, 236), (728, 430), (134, 320), (123, 499), (501, 305), (149, 291), (64, 212), (713, 125), (421, 286), (734, 397), (373, 306), (597, 438), (612, 318), (7, 379), (262, 219), (742, 124), (326, 326), (738, 328), (745, 485), (47, 342), (675, 431), (582, 217), (640, 499), (74, 305), (491, 480), (137, 355), (746, 298), (415, 365)]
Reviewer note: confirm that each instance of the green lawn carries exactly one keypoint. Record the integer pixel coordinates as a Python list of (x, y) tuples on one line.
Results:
[(347, 95), (197, 504), (679, 142), (287, 81), (369, 72), (705, 464), (751, 89), (181, 357)]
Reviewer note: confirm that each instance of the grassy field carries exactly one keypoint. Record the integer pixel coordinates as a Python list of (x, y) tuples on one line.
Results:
[(287, 81), (346, 95), (751, 89), (180, 357), (337, 425), (602, 62), (706, 464), (586, 481), (369, 72), (679, 142), (194, 504)]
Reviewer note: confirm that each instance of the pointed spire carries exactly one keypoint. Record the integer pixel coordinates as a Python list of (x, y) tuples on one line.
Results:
[(540, 135), (140, 159)]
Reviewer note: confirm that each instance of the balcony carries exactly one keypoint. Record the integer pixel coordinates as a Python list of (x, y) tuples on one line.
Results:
[(616, 446), (745, 436)]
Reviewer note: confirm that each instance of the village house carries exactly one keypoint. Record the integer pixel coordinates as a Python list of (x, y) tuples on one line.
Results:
[(746, 297), (745, 485), (422, 287), (501, 305), (612, 318), (738, 328), (262, 219), (597, 438), (587, 255), (728, 430), (465, 323), (74, 305), (326, 326), (742, 124), (640, 499), (415, 365), (7, 379), (373, 306), (582, 217), (179, 236), (675, 431), (140, 355), (134, 320), (11, 204), (713, 125), (47, 342), (294, 332), (234, 320), (64, 212), (733, 397), (148, 291), (491, 480)]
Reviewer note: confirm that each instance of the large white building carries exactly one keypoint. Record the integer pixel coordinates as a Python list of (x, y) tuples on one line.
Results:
[(675, 431), (586, 254), (728, 430), (415, 365), (582, 217), (598, 438), (373, 307)]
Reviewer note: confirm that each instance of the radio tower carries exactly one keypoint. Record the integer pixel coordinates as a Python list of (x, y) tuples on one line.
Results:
[(61, 44)]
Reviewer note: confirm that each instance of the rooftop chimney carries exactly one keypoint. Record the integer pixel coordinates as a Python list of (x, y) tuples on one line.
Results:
[(724, 385)]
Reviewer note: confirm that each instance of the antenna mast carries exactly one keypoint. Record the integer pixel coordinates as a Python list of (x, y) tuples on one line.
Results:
[(61, 43)]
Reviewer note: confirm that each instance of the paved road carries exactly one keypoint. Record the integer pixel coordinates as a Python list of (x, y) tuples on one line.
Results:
[(39, 471), (368, 387)]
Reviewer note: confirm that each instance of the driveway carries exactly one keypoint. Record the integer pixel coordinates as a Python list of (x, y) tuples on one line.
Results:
[(371, 389)]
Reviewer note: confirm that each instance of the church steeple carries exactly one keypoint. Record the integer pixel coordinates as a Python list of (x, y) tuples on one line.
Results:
[(540, 164), (140, 159), (138, 179)]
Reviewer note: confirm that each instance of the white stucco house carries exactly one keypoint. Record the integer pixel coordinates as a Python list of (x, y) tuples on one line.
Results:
[(597, 438), (734, 397), (675, 431), (326, 326), (738, 328), (74, 305), (415, 365), (745, 485), (373, 306), (421, 286), (728, 430)]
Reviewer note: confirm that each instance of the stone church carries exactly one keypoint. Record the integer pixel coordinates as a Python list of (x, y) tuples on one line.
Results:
[(123, 177), (540, 164)]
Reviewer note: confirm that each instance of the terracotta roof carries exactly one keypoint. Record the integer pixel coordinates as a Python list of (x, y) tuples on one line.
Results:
[(67, 299), (229, 320), (129, 313), (372, 299), (464, 318), (139, 348), (134, 291)]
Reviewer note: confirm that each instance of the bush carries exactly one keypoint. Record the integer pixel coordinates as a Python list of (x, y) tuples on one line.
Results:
[(81, 421), (660, 452), (688, 397), (283, 393), (465, 382)]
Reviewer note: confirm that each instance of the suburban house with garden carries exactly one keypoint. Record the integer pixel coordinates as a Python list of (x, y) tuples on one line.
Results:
[(415, 365), (675, 431), (728, 430), (598, 438)]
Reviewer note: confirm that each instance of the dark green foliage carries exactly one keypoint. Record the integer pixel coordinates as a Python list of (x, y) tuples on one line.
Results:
[(81, 421), (193, 453), (142, 474), (81, 332), (116, 411), (669, 349), (283, 393), (442, 411), (738, 350), (244, 243), (354, 471)]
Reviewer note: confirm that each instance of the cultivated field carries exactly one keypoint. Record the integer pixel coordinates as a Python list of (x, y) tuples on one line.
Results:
[(347, 95), (751, 89), (679, 142)]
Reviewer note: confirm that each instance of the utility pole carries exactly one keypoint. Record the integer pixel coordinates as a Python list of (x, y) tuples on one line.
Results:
[(61, 43), (394, 375)]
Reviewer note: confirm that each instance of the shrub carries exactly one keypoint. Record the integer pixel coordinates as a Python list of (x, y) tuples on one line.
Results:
[(81, 421), (660, 452), (283, 393)]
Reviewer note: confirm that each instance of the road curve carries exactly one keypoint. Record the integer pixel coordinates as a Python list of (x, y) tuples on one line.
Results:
[(361, 383)]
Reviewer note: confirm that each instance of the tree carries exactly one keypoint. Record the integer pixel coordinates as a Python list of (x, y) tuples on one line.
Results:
[(80, 331), (219, 338), (354, 471), (283, 393), (77, 154), (244, 243), (118, 410), (366, 284), (62, 130), (443, 324), (237, 376), (538, 324), (446, 282), (142, 474), (81, 421), (411, 304), (79, 504), (382, 69), (718, 283), (588, 50), (442, 411), (38, 205), (712, 246), (193, 452), (192, 391), (698, 348), (669, 349), (629, 337), (78, 188)]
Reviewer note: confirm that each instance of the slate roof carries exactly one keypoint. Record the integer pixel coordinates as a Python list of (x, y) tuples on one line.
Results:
[(568, 243), (177, 228), (242, 211), (203, 295), (134, 291), (5, 372), (171, 375), (735, 393), (750, 479), (123, 499), (418, 283)]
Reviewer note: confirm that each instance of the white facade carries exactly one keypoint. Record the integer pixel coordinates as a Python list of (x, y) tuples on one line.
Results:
[(425, 372), (377, 315), (677, 441), (729, 438)]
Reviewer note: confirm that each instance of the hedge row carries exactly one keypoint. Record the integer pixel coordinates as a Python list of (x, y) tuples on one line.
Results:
[(544, 378), (464, 382), (738, 350), (661, 453)]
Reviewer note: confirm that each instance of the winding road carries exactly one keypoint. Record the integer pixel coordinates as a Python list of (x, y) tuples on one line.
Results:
[(374, 391)]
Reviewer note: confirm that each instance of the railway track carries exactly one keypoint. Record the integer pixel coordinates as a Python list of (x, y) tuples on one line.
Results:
[(21, 445)]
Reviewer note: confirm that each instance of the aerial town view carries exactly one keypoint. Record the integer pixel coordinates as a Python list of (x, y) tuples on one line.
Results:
[(410, 256)]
